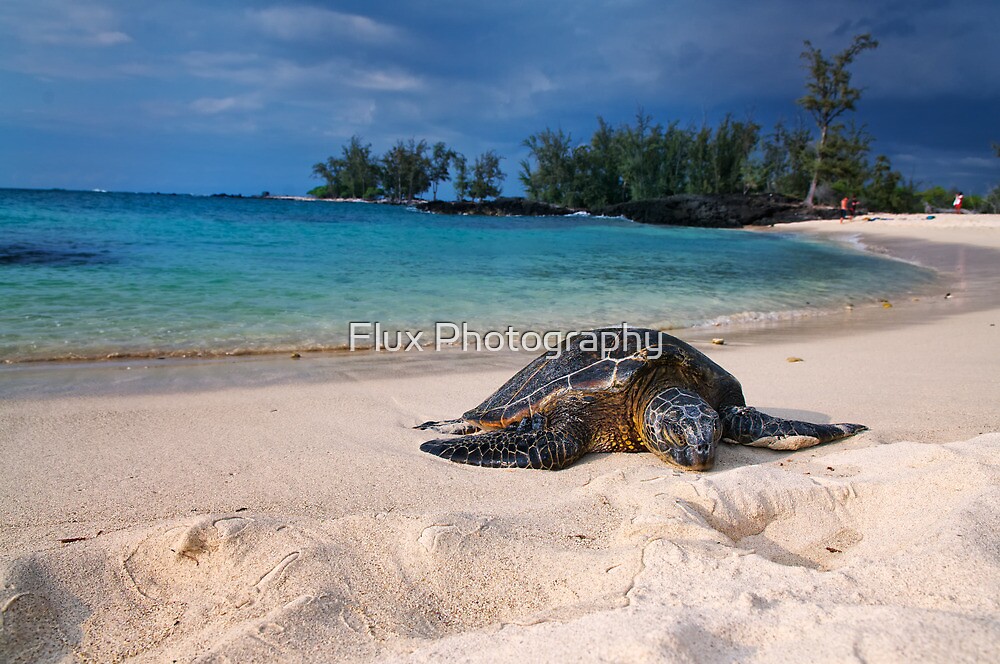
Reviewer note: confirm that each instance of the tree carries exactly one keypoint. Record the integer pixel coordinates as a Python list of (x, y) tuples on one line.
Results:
[(358, 171), (992, 202), (353, 175), (640, 156), (441, 158), (486, 176), (937, 197), (830, 94), (788, 160), (406, 170), (675, 152), (327, 171), (551, 180), (844, 161), (886, 192), (600, 164), (462, 183), (732, 146), (700, 166)]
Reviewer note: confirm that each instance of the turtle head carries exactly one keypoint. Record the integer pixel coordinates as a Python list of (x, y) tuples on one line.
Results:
[(681, 428)]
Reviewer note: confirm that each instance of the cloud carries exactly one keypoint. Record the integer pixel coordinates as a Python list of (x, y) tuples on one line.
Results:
[(384, 80), (106, 38), (279, 72), (312, 23), (55, 23), (216, 105), (110, 38), (483, 74)]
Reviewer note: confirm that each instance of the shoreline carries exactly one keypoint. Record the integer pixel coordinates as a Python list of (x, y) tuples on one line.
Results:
[(287, 365), (272, 509)]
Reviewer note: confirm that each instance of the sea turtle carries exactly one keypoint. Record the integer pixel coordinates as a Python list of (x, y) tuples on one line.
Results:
[(618, 389)]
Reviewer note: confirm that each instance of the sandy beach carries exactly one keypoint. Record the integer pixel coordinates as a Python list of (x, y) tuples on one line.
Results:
[(233, 512)]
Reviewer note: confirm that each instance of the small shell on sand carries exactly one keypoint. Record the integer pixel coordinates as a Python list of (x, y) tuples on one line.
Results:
[(794, 359), (718, 341)]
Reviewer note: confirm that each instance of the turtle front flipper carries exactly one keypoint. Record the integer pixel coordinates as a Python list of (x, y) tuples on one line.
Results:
[(743, 425), (536, 442), (457, 427)]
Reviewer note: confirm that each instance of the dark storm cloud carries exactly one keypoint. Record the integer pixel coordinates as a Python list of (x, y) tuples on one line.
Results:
[(246, 95)]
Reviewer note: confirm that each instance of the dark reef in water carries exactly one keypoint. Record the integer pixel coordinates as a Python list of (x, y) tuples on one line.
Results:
[(707, 211), (23, 254)]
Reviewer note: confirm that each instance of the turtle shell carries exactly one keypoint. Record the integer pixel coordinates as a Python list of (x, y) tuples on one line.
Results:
[(585, 365)]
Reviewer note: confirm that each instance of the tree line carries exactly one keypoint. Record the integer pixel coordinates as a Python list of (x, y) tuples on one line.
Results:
[(821, 164), (405, 171), (646, 159)]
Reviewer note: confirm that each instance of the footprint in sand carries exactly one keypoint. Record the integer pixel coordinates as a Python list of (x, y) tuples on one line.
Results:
[(29, 622), (809, 525), (237, 558)]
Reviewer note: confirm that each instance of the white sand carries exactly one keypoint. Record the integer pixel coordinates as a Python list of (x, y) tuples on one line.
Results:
[(300, 522)]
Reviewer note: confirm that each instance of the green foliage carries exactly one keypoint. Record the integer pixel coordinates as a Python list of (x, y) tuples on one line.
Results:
[(486, 176), (441, 159), (639, 161), (352, 175), (974, 203), (645, 160), (937, 197), (844, 159), (829, 86), (462, 184), (360, 171), (887, 192), (699, 174), (406, 170), (991, 204), (640, 156), (788, 160), (552, 181), (829, 93), (732, 145)]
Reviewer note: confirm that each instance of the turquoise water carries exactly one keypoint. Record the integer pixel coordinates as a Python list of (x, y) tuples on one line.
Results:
[(87, 275)]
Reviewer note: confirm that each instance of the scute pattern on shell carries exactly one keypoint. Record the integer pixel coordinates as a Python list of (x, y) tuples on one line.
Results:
[(576, 369)]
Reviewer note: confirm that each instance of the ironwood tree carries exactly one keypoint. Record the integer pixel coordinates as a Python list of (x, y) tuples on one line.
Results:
[(830, 94)]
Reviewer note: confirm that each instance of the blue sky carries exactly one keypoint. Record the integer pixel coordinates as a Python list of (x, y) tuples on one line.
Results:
[(241, 97)]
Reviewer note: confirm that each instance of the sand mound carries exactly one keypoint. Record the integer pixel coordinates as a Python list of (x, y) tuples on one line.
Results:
[(881, 554), (860, 553)]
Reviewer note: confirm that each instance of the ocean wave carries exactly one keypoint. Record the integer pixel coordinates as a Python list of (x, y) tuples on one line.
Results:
[(758, 317)]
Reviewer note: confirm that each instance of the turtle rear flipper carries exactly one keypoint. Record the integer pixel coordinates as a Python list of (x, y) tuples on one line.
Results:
[(743, 425), (457, 427), (534, 443)]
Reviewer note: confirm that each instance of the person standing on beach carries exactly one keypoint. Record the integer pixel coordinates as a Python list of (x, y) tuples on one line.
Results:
[(958, 203), (843, 209), (854, 206)]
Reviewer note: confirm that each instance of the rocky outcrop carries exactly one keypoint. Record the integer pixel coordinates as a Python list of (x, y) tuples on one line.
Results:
[(708, 211), (717, 211), (500, 207)]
